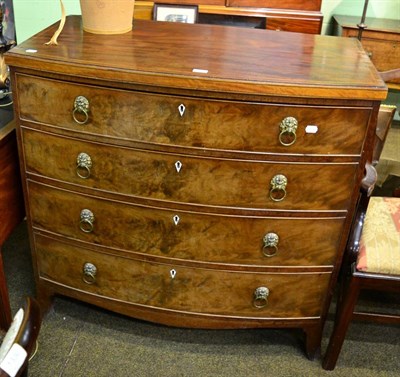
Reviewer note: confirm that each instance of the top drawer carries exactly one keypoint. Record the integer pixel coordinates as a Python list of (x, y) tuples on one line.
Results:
[(188, 122)]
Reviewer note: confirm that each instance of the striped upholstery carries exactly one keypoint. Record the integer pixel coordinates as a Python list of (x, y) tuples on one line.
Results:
[(380, 240)]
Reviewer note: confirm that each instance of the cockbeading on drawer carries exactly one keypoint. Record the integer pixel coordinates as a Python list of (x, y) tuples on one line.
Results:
[(192, 179), (193, 123), (181, 288), (186, 235)]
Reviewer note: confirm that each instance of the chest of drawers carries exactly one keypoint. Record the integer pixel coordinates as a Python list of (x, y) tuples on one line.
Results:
[(193, 175)]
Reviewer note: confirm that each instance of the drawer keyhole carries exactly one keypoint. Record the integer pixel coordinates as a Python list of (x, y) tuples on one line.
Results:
[(178, 166), (176, 219), (181, 109)]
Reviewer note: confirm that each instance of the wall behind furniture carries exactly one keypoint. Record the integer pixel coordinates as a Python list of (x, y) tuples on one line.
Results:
[(376, 8), (33, 16)]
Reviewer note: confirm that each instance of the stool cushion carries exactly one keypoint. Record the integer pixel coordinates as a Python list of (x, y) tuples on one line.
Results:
[(380, 239)]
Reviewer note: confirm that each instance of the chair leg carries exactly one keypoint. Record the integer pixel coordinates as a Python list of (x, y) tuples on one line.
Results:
[(344, 312)]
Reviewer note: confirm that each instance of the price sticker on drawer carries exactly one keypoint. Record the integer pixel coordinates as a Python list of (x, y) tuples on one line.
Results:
[(198, 70), (311, 129)]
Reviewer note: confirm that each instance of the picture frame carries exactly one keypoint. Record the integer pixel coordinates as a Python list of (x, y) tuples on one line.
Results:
[(8, 20), (175, 13), (7, 41)]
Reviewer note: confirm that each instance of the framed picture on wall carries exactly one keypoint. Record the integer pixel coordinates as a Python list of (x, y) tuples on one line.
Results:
[(176, 13), (8, 20)]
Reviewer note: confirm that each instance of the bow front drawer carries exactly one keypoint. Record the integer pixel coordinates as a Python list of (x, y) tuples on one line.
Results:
[(190, 179), (180, 288), (193, 123), (185, 235)]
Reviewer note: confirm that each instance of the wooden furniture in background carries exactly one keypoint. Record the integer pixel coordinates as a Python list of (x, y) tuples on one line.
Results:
[(381, 41), (193, 175), (373, 254), (302, 16), (11, 205)]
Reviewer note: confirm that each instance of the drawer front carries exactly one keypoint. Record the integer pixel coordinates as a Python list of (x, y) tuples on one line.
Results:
[(190, 2), (180, 288), (313, 5), (186, 235), (203, 123), (189, 179), (298, 25)]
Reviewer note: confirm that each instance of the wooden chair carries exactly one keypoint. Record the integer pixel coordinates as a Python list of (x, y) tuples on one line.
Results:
[(20, 340), (373, 252)]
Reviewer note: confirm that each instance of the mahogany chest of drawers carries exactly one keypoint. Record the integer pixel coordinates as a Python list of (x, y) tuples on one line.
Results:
[(193, 175)]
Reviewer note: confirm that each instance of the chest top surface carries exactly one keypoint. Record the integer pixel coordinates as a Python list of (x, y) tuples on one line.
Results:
[(208, 57)]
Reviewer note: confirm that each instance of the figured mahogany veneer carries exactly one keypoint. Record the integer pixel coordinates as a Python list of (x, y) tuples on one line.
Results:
[(176, 202), (151, 118), (198, 236), (194, 290), (207, 181)]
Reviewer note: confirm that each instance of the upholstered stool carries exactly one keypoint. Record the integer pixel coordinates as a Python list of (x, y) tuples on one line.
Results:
[(380, 240)]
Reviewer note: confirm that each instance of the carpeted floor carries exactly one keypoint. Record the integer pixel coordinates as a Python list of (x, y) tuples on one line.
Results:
[(81, 340)]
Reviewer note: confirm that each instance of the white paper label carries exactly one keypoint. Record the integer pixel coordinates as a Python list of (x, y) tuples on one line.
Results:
[(196, 70), (311, 129), (14, 360)]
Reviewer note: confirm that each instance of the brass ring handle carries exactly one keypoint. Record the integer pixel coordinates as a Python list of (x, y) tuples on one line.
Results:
[(260, 298), (83, 165), (81, 106), (288, 128), (278, 188), (86, 223), (89, 273), (270, 247)]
